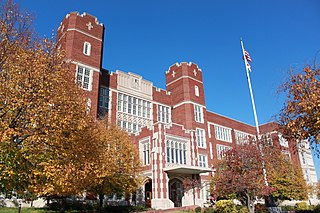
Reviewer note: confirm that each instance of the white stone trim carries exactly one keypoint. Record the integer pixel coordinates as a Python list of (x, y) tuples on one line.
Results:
[(188, 102), (181, 77)]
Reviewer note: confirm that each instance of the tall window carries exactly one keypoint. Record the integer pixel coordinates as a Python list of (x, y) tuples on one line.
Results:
[(198, 113), (203, 161), (103, 101), (146, 153), (164, 114), (83, 77), (221, 149), (86, 48), (196, 90), (176, 152), (223, 133), (200, 137), (303, 157)]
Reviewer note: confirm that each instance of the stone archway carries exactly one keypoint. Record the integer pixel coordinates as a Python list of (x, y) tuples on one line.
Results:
[(176, 192)]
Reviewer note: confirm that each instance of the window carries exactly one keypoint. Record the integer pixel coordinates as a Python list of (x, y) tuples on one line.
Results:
[(283, 141), (303, 157), (203, 161), (266, 139), (176, 152), (241, 137), (86, 48), (220, 150), (198, 113), (103, 100), (83, 77), (134, 106), (287, 155), (164, 114), (196, 90), (146, 153), (200, 137), (223, 133), (135, 110)]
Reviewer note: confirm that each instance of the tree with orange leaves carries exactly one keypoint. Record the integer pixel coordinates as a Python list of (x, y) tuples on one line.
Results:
[(44, 123), (300, 116), (117, 163)]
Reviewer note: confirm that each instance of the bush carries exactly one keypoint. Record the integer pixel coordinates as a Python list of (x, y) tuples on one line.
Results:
[(198, 209), (243, 209), (287, 208), (316, 209), (260, 208), (208, 210), (301, 206), (225, 206)]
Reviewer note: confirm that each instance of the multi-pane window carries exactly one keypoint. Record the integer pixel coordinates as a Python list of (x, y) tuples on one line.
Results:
[(266, 139), (198, 113), (164, 114), (176, 152), (129, 126), (200, 137), (134, 106), (104, 97), (221, 149), (83, 77), (103, 101), (86, 48), (146, 153), (241, 137), (223, 133), (203, 161)]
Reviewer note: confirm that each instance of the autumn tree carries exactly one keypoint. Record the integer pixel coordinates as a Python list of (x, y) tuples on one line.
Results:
[(240, 173), (300, 115), (285, 178), (44, 121), (117, 163)]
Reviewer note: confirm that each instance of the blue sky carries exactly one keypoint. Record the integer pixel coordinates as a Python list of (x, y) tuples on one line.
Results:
[(147, 37)]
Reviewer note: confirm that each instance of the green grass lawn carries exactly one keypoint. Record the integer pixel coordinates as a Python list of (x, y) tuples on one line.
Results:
[(24, 210)]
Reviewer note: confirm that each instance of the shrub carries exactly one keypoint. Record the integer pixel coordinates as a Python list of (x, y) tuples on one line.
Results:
[(260, 208), (243, 209), (225, 206), (301, 206), (208, 210), (198, 209), (287, 208)]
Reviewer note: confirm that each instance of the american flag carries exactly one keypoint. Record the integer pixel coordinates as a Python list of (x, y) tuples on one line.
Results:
[(246, 54)]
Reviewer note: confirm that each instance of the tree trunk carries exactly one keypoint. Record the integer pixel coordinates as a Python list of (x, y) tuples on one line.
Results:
[(250, 204)]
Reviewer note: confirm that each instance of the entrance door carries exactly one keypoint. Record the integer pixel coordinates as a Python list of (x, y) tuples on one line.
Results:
[(176, 192), (148, 193)]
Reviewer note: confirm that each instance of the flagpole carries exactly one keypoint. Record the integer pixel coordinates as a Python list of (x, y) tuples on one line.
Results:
[(246, 63), (250, 88)]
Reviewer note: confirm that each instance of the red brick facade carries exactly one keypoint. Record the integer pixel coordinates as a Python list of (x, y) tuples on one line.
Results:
[(176, 135)]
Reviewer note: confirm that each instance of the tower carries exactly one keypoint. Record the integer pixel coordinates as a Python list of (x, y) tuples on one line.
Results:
[(184, 81), (81, 37)]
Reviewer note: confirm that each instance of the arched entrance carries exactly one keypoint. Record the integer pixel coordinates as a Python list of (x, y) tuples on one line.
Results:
[(148, 193), (176, 192)]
